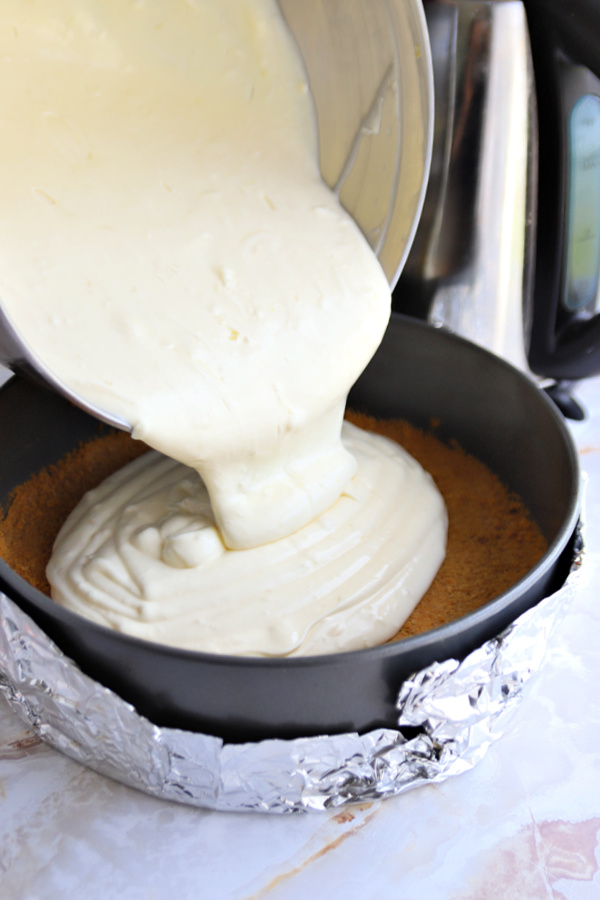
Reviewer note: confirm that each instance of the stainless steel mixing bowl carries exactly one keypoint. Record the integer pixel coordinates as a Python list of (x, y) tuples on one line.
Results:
[(369, 68)]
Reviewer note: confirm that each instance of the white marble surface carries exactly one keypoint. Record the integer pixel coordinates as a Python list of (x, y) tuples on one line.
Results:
[(523, 825)]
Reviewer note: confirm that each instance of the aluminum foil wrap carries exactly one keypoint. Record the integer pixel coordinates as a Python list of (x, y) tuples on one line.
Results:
[(459, 708)]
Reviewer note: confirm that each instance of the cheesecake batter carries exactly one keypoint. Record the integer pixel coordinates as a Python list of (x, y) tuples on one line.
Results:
[(169, 249), (142, 554)]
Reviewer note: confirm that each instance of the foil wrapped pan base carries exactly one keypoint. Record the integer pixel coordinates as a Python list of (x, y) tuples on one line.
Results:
[(459, 709)]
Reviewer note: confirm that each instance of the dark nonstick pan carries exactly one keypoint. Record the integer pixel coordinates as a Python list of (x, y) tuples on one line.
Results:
[(419, 373)]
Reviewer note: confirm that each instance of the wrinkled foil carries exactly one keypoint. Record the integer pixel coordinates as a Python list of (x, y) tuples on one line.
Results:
[(460, 708)]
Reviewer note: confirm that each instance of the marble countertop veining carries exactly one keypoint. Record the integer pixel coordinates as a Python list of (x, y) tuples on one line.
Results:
[(522, 825)]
